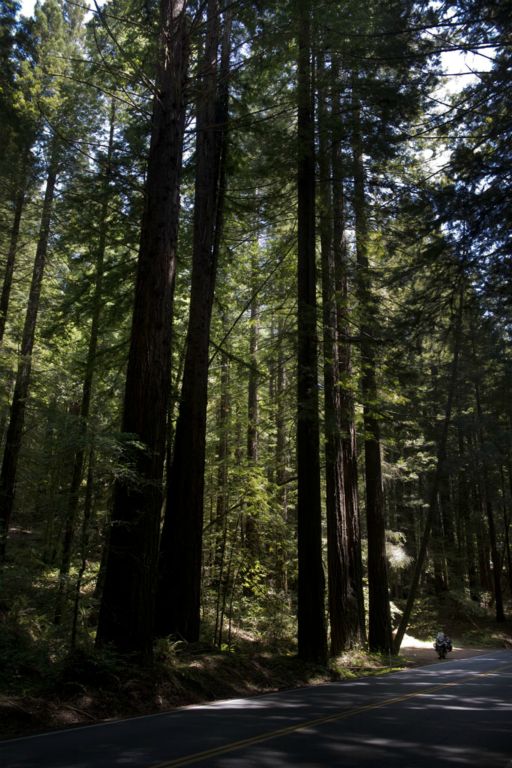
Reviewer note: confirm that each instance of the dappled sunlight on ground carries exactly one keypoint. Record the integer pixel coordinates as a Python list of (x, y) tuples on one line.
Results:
[(445, 728), (413, 642)]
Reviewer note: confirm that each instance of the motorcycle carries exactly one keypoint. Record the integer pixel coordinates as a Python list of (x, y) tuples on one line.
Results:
[(443, 645)]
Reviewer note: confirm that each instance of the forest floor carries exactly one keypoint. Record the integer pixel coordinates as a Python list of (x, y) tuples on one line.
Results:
[(87, 688)]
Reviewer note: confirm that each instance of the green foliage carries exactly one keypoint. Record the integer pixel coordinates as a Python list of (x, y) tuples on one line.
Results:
[(433, 237), (397, 556), (24, 656)]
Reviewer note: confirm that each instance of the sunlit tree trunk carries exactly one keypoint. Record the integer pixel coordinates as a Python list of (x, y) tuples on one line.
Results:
[(127, 606), (354, 606), (179, 583), (221, 511)]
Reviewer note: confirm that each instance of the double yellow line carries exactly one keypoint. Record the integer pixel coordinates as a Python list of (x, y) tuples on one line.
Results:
[(234, 745)]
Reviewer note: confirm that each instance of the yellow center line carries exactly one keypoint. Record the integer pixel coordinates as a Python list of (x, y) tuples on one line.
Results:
[(234, 745)]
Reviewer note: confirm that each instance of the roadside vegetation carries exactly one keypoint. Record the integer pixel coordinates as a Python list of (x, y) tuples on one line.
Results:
[(44, 685)]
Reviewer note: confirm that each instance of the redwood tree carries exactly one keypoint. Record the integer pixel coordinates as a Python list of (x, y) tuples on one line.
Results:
[(312, 640), (126, 612), (179, 587), (379, 618)]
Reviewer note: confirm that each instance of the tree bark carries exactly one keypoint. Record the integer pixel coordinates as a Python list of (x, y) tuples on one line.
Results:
[(354, 606), (251, 538), (379, 619), (337, 542), (252, 396), (506, 528), (127, 606), (488, 505), (312, 639), (22, 385), (221, 511), (281, 567), (482, 539), (465, 517), (179, 585), (448, 514)]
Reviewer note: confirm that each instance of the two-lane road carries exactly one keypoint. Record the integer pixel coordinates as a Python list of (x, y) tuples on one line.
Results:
[(451, 713)]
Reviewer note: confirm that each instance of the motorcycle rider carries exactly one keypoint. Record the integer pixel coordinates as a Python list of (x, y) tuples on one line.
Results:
[(442, 642)]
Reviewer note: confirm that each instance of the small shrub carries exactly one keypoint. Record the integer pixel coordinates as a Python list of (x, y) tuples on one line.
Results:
[(83, 668), (23, 661)]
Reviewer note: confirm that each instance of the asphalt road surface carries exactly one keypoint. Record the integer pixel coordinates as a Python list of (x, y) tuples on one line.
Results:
[(448, 714)]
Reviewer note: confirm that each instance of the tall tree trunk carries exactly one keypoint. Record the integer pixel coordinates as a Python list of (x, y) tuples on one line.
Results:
[(437, 543), (506, 528), (179, 585), (22, 385), (471, 568), (434, 488), (312, 639), (19, 202), (127, 606), (252, 398), (281, 568), (482, 539), (251, 528), (45, 506), (437, 548), (449, 540), (221, 512), (354, 607), (84, 544), (90, 366), (379, 620), (337, 543), (173, 404), (477, 503), (466, 520), (488, 505)]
